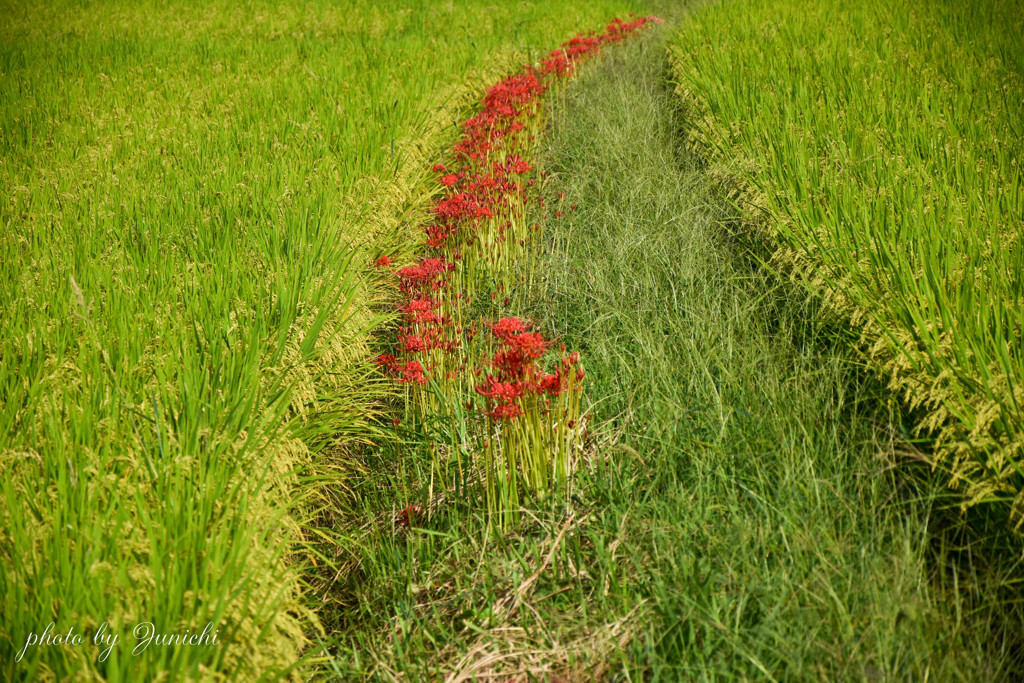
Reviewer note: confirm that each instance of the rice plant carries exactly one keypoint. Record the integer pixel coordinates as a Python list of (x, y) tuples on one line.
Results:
[(878, 145)]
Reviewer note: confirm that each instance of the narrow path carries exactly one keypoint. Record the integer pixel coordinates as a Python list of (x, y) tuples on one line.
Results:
[(748, 500)]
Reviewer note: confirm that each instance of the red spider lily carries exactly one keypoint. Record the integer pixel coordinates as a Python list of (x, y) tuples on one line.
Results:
[(424, 304), (383, 261), (530, 344), (407, 514), (505, 411), (551, 384), (449, 180), (460, 206), (514, 164), (438, 235), (500, 391), (506, 327), (412, 343), (511, 364), (503, 398), (425, 274), (421, 310), (412, 371)]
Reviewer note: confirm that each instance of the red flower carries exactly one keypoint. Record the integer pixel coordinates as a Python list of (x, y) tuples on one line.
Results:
[(531, 345), (505, 411), (412, 343), (481, 214), (516, 164), (500, 391), (551, 384), (437, 235), (510, 363), (506, 327), (421, 310), (423, 275), (412, 372), (406, 515)]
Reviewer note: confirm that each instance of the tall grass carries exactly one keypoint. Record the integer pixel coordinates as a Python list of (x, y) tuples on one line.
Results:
[(189, 195), (879, 145)]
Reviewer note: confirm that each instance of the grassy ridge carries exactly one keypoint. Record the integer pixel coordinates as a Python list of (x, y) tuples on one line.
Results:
[(879, 145), (185, 190), (737, 516)]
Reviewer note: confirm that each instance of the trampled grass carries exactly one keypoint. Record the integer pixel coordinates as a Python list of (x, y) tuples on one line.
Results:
[(191, 193), (879, 145)]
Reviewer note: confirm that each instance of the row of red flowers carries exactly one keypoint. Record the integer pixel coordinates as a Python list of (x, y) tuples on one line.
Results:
[(477, 241)]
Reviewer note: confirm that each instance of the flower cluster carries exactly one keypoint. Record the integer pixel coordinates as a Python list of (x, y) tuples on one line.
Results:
[(517, 381), (477, 239)]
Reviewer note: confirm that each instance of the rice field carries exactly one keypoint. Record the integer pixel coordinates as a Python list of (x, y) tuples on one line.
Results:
[(880, 148), (511, 341)]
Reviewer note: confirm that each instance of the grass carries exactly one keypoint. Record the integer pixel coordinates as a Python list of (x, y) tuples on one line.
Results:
[(191, 193), (746, 509), (879, 147)]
